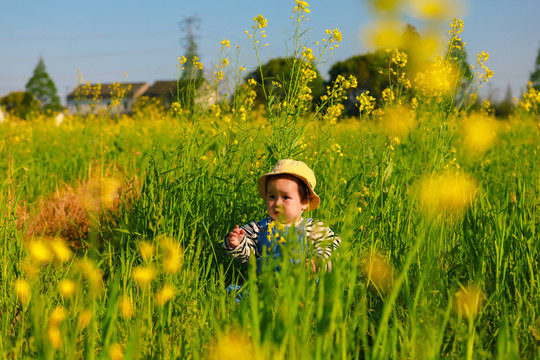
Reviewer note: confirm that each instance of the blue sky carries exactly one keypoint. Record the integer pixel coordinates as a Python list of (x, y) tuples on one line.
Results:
[(142, 39)]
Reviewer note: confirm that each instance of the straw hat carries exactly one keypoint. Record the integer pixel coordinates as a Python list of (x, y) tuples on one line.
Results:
[(297, 169)]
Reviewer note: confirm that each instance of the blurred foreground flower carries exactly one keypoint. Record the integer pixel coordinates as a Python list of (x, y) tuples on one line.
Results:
[(146, 250), (386, 33), (55, 337), (126, 307), (61, 252), (447, 194), (143, 275), (40, 251), (479, 134), (66, 288), (469, 301), (233, 346), (397, 121), (165, 294), (58, 314), (438, 10), (92, 274), (440, 78), (377, 271), (84, 318), (173, 255), (116, 351), (22, 289)]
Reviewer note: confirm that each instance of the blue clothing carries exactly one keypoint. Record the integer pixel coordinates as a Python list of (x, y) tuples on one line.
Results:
[(313, 238)]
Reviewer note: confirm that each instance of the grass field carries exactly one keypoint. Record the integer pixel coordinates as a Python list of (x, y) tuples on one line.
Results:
[(111, 232)]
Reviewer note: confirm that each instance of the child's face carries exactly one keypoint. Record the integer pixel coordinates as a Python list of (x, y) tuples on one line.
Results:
[(283, 201)]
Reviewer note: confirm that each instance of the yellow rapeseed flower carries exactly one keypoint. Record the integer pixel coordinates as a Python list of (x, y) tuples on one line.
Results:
[(126, 307), (173, 255), (479, 133), (440, 77), (62, 253), (143, 275), (66, 288), (225, 43), (377, 271), (447, 194), (165, 294), (40, 251), (469, 301), (397, 121), (58, 314), (146, 250), (384, 34), (385, 5), (55, 337), (233, 346), (91, 274), (22, 289), (434, 9), (261, 21), (116, 351), (84, 318), (109, 191)]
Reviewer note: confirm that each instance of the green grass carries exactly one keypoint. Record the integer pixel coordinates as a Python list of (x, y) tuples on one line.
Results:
[(196, 202)]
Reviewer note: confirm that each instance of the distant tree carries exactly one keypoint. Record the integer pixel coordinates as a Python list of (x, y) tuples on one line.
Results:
[(43, 89), (281, 70), (19, 103), (534, 78), (367, 70), (505, 108)]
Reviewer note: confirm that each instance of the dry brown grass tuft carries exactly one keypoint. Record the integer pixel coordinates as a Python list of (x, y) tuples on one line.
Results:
[(72, 213)]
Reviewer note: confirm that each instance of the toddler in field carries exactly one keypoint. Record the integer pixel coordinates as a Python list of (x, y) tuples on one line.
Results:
[(288, 190)]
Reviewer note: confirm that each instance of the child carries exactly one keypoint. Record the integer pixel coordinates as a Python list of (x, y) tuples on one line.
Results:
[(288, 190)]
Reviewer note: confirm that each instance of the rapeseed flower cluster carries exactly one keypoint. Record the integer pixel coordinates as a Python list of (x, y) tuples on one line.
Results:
[(118, 93), (260, 22), (530, 100), (486, 73), (365, 103)]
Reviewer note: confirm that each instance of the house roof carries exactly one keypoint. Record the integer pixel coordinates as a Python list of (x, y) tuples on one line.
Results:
[(162, 88), (106, 89)]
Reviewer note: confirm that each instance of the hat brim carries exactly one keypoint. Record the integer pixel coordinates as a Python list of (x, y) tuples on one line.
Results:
[(314, 199)]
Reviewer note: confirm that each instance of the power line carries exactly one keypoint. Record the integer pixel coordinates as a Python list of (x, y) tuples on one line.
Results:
[(82, 37), (94, 55)]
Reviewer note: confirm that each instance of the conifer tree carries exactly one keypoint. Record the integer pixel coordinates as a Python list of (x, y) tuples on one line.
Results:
[(534, 78), (42, 88)]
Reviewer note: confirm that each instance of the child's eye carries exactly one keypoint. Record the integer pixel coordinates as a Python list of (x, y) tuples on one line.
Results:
[(286, 197), (271, 196)]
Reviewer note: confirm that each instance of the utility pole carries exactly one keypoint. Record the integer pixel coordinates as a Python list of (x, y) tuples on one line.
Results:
[(188, 27)]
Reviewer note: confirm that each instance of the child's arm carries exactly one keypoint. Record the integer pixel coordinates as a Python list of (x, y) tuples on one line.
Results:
[(324, 242), (235, 237), (241, 242)]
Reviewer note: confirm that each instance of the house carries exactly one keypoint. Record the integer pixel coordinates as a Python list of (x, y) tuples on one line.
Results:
[(164, 90), (99, 98)]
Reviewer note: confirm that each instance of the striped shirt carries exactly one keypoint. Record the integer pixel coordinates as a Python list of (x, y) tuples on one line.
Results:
[(321, 240)]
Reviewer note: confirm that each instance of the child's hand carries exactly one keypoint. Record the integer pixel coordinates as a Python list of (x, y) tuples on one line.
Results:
[(236, 236), (311, 263)]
